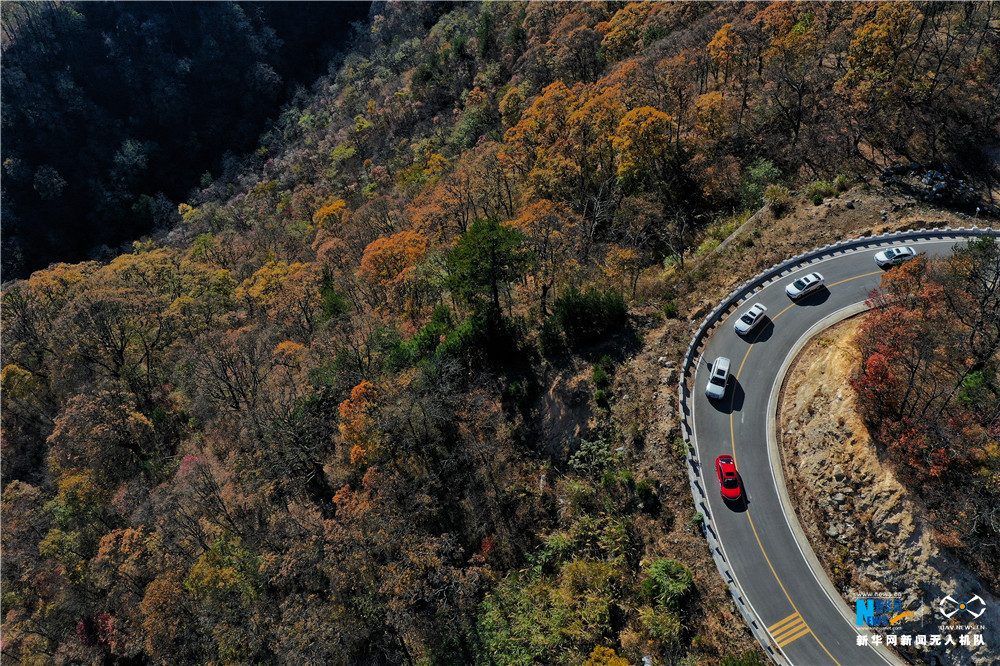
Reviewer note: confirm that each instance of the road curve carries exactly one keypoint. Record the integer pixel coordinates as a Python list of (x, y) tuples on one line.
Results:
[(790, 603)]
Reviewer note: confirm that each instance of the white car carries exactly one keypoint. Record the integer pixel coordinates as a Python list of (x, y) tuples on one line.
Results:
[(719, 378), (750, 319), (806, 284), (894, 255)]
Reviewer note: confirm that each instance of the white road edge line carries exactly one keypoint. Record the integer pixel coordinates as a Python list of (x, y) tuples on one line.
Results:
[(779, 479), (775, 457)]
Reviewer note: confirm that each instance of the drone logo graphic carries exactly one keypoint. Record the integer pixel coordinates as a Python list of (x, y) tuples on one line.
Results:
[(957, 606)]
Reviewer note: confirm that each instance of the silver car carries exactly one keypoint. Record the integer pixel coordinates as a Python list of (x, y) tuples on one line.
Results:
[(894, 255), (806, 284), (719, 378), (750, 319)]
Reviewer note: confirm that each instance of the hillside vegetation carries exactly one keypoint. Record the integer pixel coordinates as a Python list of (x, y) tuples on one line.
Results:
[(927, 388), (114, 111), (317, 421)]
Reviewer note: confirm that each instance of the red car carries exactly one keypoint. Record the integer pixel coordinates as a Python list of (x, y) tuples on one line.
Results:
[(729, 480)]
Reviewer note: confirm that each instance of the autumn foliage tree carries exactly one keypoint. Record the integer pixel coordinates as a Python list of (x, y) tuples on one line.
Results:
[(927, 385), (550, 230), (388, 263)]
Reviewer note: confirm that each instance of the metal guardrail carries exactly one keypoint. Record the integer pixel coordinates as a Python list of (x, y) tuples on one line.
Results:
[(735, 297)]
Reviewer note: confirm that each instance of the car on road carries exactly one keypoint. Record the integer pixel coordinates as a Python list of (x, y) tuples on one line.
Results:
[(750, 319), (729, 480), (719, 377), (804, 286), (894, 256)]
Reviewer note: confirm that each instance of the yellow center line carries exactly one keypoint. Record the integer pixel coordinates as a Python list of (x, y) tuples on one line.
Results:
[(852, 278), (732, 434)]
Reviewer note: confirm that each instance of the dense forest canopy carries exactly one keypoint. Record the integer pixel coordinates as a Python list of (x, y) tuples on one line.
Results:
[(325, 418), (113, 111)]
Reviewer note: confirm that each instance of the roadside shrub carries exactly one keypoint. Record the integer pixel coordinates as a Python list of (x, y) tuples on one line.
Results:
[(671, 310), (841, 183), (759, 175), (602, 398), (817, 199), (593, 457), (644, 490), (607, 364), (663, 627), (725, 228), (706, 246), (778, 198), (668, 582), (820, 188)]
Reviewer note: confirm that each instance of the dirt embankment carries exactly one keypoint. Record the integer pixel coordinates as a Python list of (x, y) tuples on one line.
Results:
[(865, 527)]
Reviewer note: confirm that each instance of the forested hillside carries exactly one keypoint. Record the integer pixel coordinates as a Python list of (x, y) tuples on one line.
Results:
[(325, 418), (114, 111)]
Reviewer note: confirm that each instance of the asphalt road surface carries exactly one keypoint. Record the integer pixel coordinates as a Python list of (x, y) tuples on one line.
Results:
[(808, 623)]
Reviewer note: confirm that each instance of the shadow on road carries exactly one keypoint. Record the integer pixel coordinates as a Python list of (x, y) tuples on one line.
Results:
[(742, 504), (732, 401), (765, 329), (815, 298)]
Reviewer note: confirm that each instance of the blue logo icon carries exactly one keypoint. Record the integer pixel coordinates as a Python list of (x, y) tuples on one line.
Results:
[(879, 612)]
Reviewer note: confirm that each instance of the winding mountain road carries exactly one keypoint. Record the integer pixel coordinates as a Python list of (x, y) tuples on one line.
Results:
[(791, 604)]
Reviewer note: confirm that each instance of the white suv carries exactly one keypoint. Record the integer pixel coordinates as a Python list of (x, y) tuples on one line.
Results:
[(719, 378)]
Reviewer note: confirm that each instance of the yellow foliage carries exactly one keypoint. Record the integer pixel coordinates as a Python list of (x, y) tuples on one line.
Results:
[(17, 382), (330, 214), (290, 353), (723, 45), (711, 114), (510, 106), (436, 165), (58, 282), (272, 280), (605, 656), (623, 33), (357, 422), (643, 139), (386, 259)]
